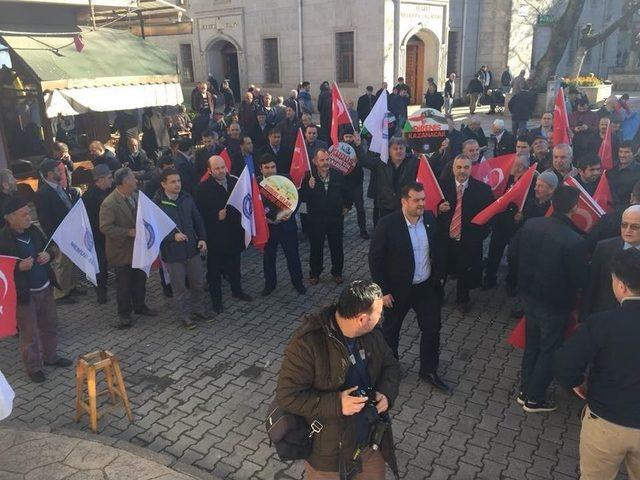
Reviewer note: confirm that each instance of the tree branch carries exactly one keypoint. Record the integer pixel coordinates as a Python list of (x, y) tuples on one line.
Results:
[(629, 10)]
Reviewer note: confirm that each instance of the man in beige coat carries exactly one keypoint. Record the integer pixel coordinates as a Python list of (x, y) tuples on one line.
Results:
[(118, 224)]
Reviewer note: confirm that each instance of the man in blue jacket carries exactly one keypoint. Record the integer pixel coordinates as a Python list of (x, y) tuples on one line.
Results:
[(181, 249)]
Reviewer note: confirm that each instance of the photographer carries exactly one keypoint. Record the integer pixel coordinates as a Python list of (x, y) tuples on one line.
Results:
[(339, 371)]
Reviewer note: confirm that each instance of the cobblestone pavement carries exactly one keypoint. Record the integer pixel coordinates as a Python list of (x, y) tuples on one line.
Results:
[(31, 455), (200, 396)]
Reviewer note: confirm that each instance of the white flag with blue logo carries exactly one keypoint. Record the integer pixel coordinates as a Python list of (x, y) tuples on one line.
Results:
[(377, 124), (152, 226), (241, 199), (75, 239)]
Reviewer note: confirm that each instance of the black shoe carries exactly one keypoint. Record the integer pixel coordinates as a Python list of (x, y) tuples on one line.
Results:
[(365, 235), (60, 362), (267, 291), (538, 407), (124, 323), (202, 317), (101, 298), (66, 300), (338, 279), (521, 399), (167, 291), (243, 297), (301, 289), (189, 324), (434, 380), (217, 308), (489, 283), (78, 290), (147, 312), (37, 377)]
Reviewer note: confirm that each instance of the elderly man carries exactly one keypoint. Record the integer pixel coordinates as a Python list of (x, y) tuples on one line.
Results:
[(34, 278), (118, 225), (503, 141), (473, 131), (598, 296), (541, 154), (8, 187), (293, 103), (247, 113), (99, 154), (93, 198), (460, 240), (289, 127), (53, 203), (224, 231), (470, 150), (538, 206), (136, 159), (562, 165), (546, 127)]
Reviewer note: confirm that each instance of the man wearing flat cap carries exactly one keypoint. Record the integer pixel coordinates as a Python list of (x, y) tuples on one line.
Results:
[(93, 198), (34, 280), (53, 202)]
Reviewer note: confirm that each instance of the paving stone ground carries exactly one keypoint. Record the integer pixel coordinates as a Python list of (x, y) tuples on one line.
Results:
[(201, 396)]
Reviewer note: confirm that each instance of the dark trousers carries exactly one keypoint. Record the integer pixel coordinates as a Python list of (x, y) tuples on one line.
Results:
[(500, 236), (457, 265), (331, 227), (217, 263), (358, 202), (38, 325), (543, 336), (517, 126), (289, 241), (101, 277), (426, 300), (376, 212), (131, 286)]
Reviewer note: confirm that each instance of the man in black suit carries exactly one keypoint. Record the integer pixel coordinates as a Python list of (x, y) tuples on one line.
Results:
[(224, 231), (552, 268), (328, 200), (274, 147), (403, 259), (53, 202), (184, 164), (607, 348), (460, 240), (211, 147), (365, 103), (598, 296), (503, 141)]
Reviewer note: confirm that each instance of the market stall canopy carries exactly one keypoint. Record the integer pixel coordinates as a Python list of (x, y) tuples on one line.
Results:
[(114, 70)]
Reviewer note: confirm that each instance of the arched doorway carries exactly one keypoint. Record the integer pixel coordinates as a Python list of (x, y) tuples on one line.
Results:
[(422, 60), (222, 60)]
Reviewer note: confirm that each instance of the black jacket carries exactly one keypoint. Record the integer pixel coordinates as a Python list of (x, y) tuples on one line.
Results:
[(50, 207), (225, 236), (607, 347), (622, 181), (184, 213), (187, 170), (598, 295), (327, 203), (201, 160), (9, 247), (507, 144), (283, 158), (476, 197), (479, 136), (388, 191), (365, 104), (93, 199), (289, 129), (109, 158), (448, 90), (607, 227), (475, 86), (434, 100), (521, 105), (552, 260), (391, 259), (138, 163)]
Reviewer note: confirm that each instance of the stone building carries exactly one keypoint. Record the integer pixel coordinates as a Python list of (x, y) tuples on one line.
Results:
[(278, 43)]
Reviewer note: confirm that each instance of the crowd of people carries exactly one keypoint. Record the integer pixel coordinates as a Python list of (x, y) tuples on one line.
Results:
[(337, 353)]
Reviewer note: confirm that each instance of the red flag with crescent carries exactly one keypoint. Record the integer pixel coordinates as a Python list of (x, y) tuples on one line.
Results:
[(517, 337), (588, 212), (561, 130), (8, 321), (339, 113), (227, 161), (605, 152), (602, 195), (517, 194), (432, 190), (495, 172), (300, 161)]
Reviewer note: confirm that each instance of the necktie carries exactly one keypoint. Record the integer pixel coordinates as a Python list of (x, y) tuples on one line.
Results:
[(455, 230)]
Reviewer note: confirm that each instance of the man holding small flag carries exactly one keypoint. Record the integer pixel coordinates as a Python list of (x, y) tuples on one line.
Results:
[(118, 215), (32, 281)]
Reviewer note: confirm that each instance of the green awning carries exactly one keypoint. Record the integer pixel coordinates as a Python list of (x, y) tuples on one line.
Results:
[(109, 58)]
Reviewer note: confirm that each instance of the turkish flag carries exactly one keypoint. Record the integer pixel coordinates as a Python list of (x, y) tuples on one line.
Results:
[(605, 152), (261, 236), (495, 172), (588, 212), (300, 161), (516, 194), (339, 113), (517, 337), (561, 130), (8, 321), (227, 161), (602, 195), (432, 190)]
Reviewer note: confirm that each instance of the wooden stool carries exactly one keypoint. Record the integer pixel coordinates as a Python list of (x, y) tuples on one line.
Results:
[(86, 369)]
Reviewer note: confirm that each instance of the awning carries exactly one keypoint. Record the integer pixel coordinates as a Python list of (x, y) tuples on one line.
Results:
[(115, 70)]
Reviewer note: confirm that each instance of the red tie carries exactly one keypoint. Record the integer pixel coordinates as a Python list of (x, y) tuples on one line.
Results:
[(455, 230)]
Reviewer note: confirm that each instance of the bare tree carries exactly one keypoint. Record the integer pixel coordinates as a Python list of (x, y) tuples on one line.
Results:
[(588, 39)]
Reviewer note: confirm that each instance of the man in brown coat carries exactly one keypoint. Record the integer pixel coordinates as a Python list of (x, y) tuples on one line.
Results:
[(339, 371), (118, 224)]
